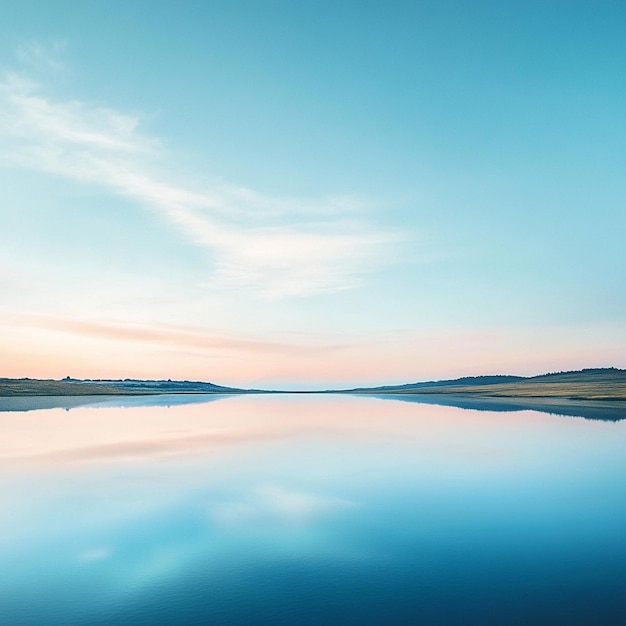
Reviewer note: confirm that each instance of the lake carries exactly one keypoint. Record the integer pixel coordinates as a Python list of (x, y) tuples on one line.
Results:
[(309, 509)]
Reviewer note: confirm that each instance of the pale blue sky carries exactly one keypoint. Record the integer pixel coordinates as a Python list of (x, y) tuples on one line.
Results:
[(297, 193)]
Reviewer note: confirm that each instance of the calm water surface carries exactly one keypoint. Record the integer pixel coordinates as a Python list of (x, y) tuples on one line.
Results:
[(309, 510)]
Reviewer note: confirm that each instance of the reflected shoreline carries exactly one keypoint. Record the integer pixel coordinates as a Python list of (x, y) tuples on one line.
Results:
[(12, 404), (604, 410)]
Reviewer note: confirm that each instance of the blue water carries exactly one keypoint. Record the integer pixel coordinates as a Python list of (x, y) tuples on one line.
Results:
[(310, 510)]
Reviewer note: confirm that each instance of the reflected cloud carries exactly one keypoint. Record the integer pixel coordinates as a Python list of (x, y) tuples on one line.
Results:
[(345, 484), (95, 554), (153, 448), (113, 431), (276, 504)]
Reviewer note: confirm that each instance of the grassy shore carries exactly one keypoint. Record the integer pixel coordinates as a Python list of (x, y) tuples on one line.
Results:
[(36, 387), (10, 387), (574, 391), (589, 384)]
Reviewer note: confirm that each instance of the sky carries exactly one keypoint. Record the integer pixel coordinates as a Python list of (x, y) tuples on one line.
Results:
[(311, 194)]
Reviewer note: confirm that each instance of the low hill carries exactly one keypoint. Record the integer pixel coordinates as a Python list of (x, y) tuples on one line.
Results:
[(587, 384), (75, 387), (466, 381), (165, 386), (38, 387)]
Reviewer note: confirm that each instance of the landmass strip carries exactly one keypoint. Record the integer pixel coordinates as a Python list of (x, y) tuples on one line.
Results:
[(587, 384)]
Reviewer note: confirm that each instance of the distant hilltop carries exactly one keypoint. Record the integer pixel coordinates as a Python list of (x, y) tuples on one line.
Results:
[(607, 383), (588, 384), (96, 387)]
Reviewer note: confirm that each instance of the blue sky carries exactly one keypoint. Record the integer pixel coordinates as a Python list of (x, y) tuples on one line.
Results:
[(310, 193)]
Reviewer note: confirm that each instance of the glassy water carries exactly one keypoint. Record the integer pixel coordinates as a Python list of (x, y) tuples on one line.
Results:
[(314, 509)]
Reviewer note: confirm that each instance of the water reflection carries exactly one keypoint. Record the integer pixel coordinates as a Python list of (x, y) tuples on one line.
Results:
[(589, 409), (310, 509), (37, 403)]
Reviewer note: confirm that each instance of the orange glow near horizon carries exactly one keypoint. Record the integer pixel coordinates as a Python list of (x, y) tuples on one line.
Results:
[(53, 348)]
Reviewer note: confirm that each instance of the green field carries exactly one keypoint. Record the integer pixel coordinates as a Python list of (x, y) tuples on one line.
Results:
[(72, 387), (35, 387), (577, 391)]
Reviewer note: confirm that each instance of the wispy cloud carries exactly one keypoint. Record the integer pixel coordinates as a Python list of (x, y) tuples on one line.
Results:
[(272, 246), (42, 56), (167, 335)]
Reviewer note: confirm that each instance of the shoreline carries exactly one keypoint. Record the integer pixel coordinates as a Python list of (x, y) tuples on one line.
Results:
[(598, 385)]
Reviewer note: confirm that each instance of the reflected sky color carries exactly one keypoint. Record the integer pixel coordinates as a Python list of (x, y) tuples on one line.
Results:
[(315, 509)]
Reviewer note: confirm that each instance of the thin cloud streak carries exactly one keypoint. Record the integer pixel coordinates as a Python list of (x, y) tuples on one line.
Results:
[(170, 335), (271, 246)]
